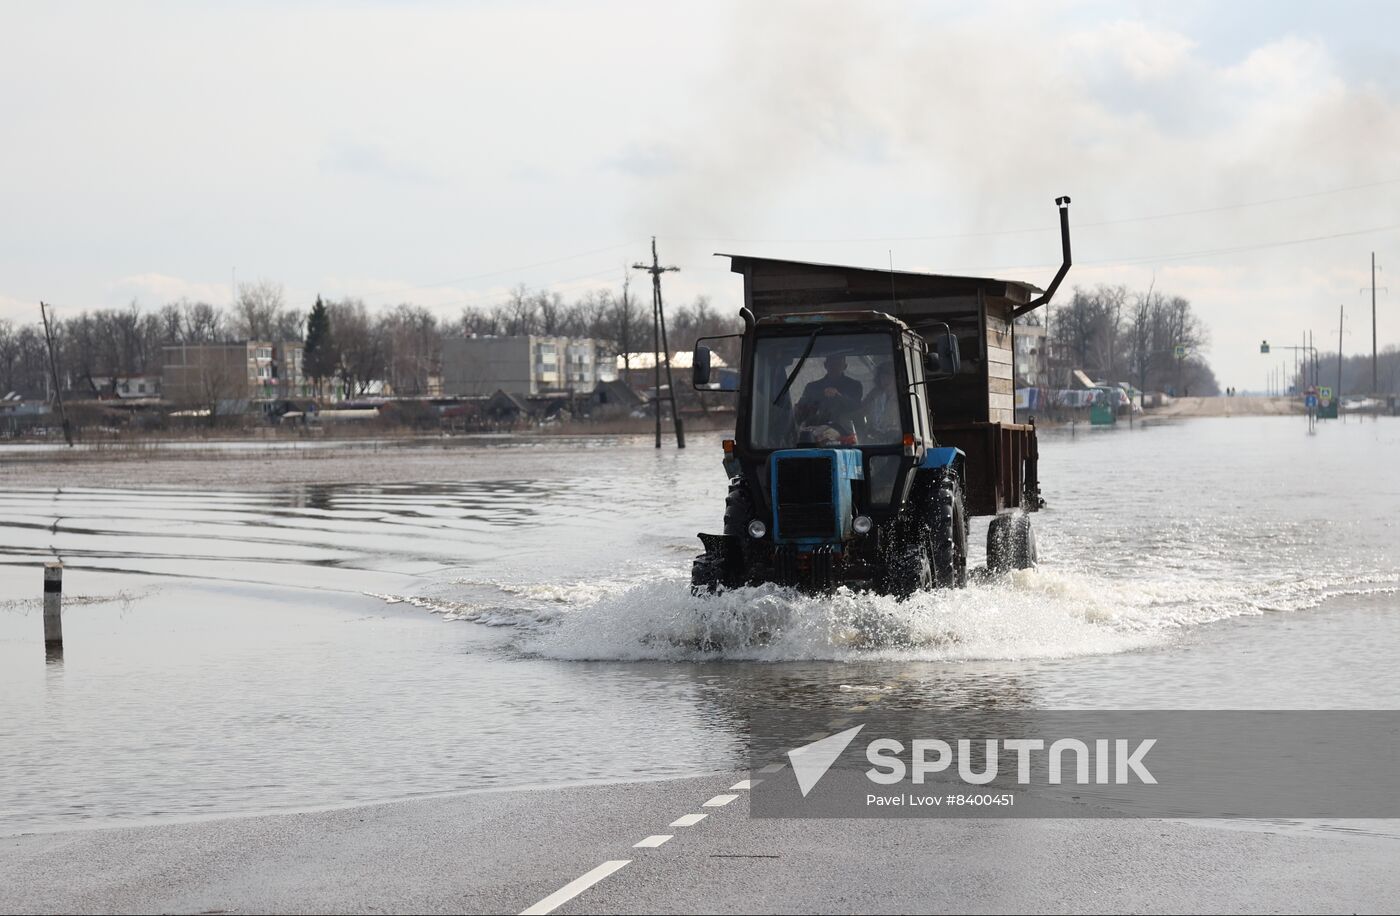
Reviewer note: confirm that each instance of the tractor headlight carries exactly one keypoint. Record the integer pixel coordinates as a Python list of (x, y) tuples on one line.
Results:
[(757, 529), (862, 524)]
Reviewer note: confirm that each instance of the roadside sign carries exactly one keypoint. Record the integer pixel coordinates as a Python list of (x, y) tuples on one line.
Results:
[(1325, 392), (1180, 351)]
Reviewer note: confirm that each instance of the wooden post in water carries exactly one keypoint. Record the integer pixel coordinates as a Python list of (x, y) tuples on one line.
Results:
[(53, 605)]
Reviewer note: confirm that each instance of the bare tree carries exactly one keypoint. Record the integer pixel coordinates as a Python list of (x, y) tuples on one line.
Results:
[(258, 310), (9, 357), (412, 348), (626, 332), (519, 313), (204, 323), (287, 325), (361, 348), (1140, 339), (220, 382), (549, 312)]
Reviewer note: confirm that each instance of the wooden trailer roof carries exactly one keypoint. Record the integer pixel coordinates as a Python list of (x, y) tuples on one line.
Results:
[(776, 280)]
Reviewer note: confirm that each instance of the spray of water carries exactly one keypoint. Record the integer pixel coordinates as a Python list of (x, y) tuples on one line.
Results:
[(1032, 614)]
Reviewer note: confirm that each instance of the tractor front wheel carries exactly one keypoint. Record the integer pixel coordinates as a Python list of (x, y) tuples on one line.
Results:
[(949, 534), (723, 563), (706, 575)]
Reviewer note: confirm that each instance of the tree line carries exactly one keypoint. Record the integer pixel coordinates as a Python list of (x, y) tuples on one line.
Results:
[(1112, 333), (346, 342), (1356, 374), (1150, 339)]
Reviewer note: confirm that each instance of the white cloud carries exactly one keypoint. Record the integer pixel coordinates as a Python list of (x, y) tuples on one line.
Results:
[(156, 289), (326, 146), (15, 310), (1142, 51), (1289, 65)]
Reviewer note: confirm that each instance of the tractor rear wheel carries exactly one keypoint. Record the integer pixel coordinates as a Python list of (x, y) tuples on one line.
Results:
[(1011, 543)]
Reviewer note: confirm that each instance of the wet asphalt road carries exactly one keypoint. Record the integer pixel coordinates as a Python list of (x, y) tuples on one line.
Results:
[(503, 852)]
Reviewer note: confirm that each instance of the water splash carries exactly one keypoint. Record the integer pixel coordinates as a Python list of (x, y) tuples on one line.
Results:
[(1031, 614)]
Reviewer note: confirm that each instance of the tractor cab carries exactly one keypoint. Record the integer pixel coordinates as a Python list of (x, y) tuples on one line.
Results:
[(829, 379)]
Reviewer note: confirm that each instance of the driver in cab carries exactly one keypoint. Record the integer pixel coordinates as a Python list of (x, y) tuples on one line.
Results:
[(882, 406), (833, 398)]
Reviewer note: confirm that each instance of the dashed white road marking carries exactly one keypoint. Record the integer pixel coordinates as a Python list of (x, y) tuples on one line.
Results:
[(719, 801), (574, 888), (652, 841), (688, 820), (744, 785), (772, 768)]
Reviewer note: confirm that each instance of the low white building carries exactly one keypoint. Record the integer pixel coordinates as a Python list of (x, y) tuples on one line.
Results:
[(128, 387)]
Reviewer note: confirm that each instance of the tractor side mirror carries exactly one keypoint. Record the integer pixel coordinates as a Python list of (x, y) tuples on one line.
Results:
[(700, 367), (944, 359)]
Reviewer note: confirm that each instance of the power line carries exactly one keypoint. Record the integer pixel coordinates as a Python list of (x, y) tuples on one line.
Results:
[(478, 300), (508, 270), (1103, 262), (1136, 259), (1201, 253), (1240, 248), (1090, 225)]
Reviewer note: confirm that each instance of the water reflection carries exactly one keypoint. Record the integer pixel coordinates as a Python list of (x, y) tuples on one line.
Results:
[(228, 651)]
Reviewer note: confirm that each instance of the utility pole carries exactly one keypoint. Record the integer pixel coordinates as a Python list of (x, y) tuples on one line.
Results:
[(1341, 322), (1312, 350), (660, 346), (1297, 382), (1375, 372), (53, 370)]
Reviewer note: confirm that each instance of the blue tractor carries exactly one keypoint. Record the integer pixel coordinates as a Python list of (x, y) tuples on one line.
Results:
[(875, 417)]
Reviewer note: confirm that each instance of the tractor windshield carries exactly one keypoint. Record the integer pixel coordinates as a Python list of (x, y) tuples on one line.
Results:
[(845, 392)]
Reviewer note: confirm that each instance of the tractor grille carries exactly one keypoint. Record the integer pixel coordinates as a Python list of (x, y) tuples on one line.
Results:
[(804, 498)]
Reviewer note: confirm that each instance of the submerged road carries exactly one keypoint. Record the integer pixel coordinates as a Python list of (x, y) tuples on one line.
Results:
[(231, 657), (685, 845)]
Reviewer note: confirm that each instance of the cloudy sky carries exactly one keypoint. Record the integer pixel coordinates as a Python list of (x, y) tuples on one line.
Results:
[(1245, 155)]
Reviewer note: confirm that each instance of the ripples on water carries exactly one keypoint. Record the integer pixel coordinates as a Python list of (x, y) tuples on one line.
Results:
[(1150, 534), (234, 650)]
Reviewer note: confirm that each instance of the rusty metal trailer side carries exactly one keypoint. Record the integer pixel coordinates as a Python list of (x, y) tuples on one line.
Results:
[(1002, 465)]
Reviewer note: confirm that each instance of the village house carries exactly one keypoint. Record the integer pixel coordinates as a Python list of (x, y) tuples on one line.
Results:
[(526, 365)]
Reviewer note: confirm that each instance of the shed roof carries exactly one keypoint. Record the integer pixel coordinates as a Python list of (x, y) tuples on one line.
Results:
[(868, 280)]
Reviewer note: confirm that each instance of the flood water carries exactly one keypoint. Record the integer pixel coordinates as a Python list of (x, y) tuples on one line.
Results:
[(232, 650)]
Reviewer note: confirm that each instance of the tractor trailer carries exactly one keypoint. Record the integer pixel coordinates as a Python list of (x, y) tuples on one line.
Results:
[(875, 417)]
